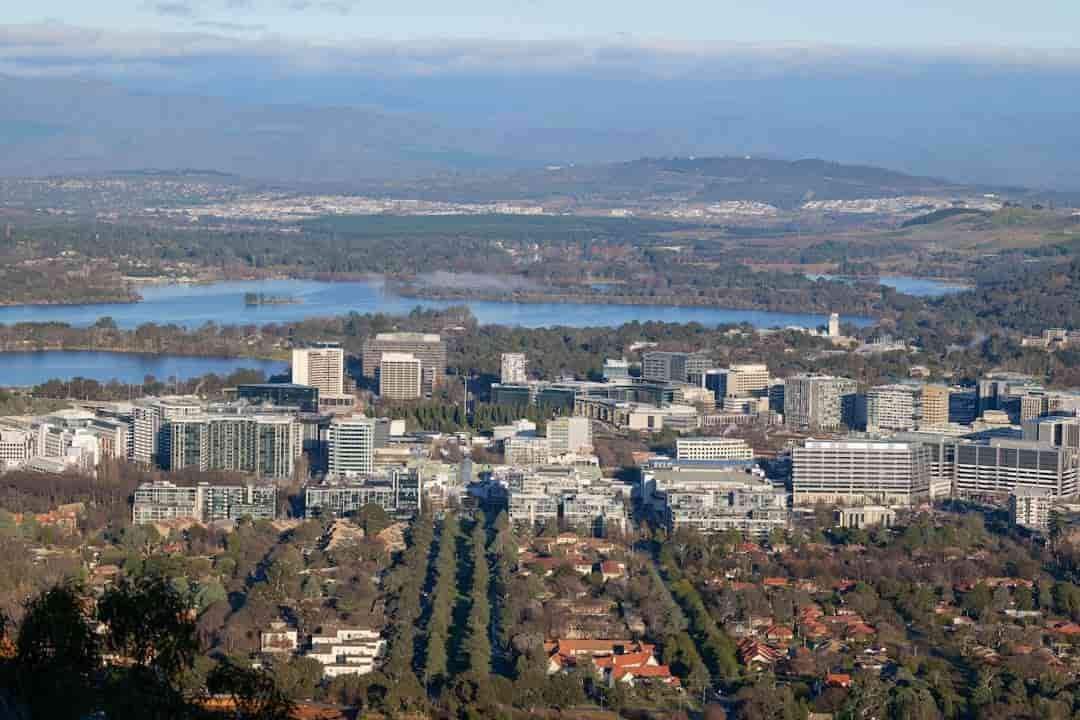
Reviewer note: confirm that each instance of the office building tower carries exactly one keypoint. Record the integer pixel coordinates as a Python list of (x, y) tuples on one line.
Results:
[(819, 402), (935, 406), (963, 405), (428, 348), (400, 376), (860, 473), (995, 390), (616, 370), (513, 369), (776, 396), (1056, 430), (569, 436), (350, 446), (748, 380), (673, 366), (321, 367), (712, 448), (894, 408), (305, 398), (716, 381)]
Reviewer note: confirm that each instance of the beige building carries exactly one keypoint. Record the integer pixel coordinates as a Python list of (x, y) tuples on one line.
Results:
[(845, 472), (322, 367), (428, 348), (400, 376), (935, 406), (712, 448), (513, 369), (748, 379)]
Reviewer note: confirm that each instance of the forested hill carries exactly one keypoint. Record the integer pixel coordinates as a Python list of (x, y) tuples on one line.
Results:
[(782, 183), (1028, 300)]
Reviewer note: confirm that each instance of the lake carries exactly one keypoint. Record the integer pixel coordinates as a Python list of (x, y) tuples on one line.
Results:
[(32, 368), (223, 303), (917, 286)]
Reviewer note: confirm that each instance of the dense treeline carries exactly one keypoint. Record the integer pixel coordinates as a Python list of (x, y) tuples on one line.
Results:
[(139, 664)]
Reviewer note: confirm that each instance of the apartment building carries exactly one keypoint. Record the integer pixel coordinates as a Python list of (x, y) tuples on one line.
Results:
[(1030, 508), (569, 436), (164, 501), (150, 418), (820, 402), (398, 491), (894, 407), (350, 445)]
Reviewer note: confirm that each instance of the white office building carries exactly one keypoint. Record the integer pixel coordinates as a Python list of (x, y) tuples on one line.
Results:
[(400, 376), (712, 448), (350, 446), (848, 472), (513, 370), (569, 436), (894, 407)]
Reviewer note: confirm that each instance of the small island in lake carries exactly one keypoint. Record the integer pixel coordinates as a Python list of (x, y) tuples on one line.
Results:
[(251, 298)]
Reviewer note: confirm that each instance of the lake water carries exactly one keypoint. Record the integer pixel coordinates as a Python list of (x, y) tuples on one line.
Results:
[(917, 286), (32, 368), (223, 303)]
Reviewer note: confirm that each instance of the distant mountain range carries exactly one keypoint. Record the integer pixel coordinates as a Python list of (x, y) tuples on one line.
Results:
[(73, 127)]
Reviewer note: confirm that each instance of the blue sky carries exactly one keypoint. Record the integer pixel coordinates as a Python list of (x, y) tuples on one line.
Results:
[(1041, 24)]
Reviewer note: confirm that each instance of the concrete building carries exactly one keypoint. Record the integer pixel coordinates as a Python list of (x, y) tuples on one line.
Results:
[(347, 651), (398, 491), (616, 370), (163, 501), (864, 516), (513, 368), (150, 417), (350, 445), (304, 398), (748, 380), (834, 325), (569, 436), (321, 367), (819, 402), (428, 348), (595, 512), (1057, 430), (849, 472), (894, 407), (1030, 508), (527, 450), (673, 366), (265, 444), (16, 446), (400, 376), (935, 406), (712, 448)]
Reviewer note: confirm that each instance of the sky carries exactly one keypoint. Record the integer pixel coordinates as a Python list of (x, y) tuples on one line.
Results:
[(1035, 24)]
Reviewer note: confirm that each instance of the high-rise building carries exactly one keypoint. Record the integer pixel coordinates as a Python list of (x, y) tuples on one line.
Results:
[(400, 376), (748, 380), (322, 367), (935, 406), (894, 407), (266, 445), (150, 417), (350, 446), (819, 402), (513, 369), (569, 436), (664, 366), (860, 473), (428, 348)]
